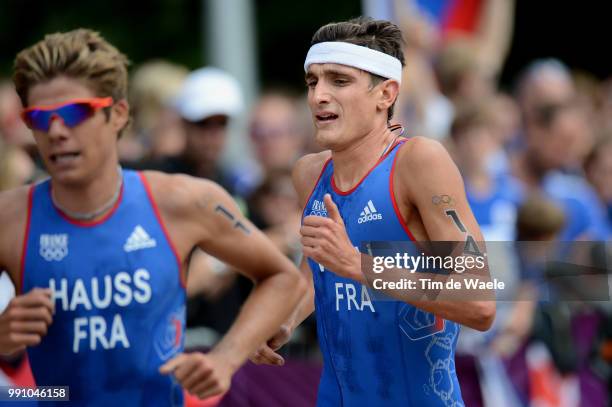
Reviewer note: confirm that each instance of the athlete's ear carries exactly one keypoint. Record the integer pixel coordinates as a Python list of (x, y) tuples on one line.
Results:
[(120, 114), (389, 90)]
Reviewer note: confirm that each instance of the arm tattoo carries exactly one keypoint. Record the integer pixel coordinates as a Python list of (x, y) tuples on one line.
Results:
[(455, 217), (470, 244), (240, 225), (237, 223), (225, 212), (442, 199)]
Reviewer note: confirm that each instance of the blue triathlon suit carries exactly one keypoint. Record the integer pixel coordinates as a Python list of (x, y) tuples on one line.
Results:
[(119, 299), (377, 353)]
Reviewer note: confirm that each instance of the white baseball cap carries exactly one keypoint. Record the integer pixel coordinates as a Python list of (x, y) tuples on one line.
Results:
[(208, 92)]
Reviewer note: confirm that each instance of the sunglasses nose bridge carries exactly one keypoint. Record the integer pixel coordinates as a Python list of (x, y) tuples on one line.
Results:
[(53, 129)]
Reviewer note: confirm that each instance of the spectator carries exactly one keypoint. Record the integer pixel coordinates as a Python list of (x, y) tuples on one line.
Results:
[(274, 208), (206, 101), (156, 130), (16, 167), (275, 131), (12, 129), (17, 151), (598, 169), (461, 76), (553, 127), (493, 196)]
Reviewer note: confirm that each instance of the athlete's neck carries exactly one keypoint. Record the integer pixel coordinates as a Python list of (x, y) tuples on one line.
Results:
[(88, 197), (352, 163)]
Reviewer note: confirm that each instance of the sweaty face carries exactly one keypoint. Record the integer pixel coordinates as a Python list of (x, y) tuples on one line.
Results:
[(75, 155), (343, 104)]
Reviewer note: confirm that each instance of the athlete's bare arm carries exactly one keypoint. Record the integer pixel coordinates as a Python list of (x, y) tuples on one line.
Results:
[(25, 320), (431, 196), (266, 353), (14, 204), (200, 213), (305, 175)]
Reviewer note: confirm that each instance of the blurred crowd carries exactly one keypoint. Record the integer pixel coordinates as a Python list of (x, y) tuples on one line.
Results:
[(536, 161)]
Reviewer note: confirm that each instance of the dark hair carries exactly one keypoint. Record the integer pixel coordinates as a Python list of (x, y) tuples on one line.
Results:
[(470, 115), (380, 35), (539, 218)]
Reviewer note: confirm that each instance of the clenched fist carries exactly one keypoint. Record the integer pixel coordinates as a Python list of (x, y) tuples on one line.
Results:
[(202, 375), (25, 320), (325, 240), (266, 354)]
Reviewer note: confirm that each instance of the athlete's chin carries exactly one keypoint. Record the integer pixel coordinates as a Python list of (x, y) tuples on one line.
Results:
[(72, 177), (327, 139)]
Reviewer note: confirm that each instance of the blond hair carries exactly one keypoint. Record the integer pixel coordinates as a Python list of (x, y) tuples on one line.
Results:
[(153, 86), (80, 54), (456, 59)]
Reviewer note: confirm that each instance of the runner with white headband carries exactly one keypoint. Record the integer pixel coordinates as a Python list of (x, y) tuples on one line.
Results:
[(372, 185), (357, 56)]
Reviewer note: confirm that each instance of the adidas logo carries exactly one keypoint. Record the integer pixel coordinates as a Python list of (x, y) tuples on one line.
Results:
[(139, 239), (369, 213)]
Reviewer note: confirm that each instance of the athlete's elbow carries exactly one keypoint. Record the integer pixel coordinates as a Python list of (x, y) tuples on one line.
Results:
[(300, 284), (292, 283), (484, 315)]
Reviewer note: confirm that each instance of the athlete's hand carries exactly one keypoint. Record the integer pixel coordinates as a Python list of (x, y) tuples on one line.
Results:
[(25, 320), (266, 354), (202, 375), (325, 241)]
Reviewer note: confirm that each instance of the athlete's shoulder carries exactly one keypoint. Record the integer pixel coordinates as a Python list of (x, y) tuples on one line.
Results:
[(176, 194), (306, 172), (13, 216), (422, 152), (424, 163), (14, 204)]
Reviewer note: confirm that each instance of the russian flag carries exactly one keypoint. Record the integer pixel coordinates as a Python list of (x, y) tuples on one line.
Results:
[(452, 16)]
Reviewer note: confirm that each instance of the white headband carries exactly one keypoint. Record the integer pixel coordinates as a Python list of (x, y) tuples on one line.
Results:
[(365, 58)]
